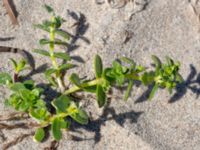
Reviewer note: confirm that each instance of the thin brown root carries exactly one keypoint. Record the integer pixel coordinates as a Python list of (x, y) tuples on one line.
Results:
[(54, 146), (14, 116), (17, 140)]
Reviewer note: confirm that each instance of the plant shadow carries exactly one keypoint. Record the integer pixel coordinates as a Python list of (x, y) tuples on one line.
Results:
[(108, 114), (81, 26)]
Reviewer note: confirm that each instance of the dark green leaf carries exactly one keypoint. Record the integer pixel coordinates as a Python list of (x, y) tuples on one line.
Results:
[(169, 61), (153, 91), (75, 80), (60, 42), (128, 91), (61, 103), (48, 75), (98, 66), (14, 63), (42, 52), (27, 95), (62, 33), (61, 55), (64, 124), (66, 66), (91, 89), (44, 41), (17, 87), (42, 27), (101, 96), (179, 78), (48, 8), (29, 84), (40, 113), (148, 78), (80, 116), (5, 78), (56, 129), (157, 61), (58, 21), (39, 135), (21, 65)]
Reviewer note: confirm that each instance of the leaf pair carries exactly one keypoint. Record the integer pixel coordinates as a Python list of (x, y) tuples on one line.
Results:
[(65, 107), (59, 55), (19, 66), (5, 79), (26, 98), (165, 75)]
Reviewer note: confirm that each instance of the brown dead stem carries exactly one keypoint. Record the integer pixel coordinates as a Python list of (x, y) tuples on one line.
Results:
[(17, 140), (19, 125), (14, 116), (53, 146)]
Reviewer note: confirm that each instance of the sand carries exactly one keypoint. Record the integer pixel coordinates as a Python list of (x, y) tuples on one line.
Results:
[(136, 29)]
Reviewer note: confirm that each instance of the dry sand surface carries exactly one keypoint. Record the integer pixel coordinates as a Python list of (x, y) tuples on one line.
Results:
[(134, 28)]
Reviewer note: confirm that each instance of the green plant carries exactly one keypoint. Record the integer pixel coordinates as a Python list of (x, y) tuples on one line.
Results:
[(27, 97)]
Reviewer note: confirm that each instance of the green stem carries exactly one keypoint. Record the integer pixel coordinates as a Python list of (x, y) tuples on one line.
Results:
[(133, 77), (83, 85), (53, 59)]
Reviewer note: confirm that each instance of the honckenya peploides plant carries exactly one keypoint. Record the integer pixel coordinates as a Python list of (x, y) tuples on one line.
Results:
[(26, 96)]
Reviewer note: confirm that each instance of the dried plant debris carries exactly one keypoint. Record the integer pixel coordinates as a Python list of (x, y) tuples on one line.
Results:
[(17, 140), (53, 146), (195, 4), (131, 6), (11, 11)]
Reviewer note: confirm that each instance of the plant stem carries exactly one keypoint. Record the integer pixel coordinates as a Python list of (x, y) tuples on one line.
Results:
[(133, 77), (53, 59), (15, 77), (83, 85)]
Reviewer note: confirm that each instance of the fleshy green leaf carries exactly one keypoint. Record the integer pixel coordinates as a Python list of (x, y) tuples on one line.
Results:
[(14, 63), (128, 91), (44, 41), (42, 27), (91, 89), (39, 113), (39, 135), (157, 61), (60, 42), (29, 84), (61, 103), (148, 78), (62, 33), (59, 32), (64, 124), (101, 96), (48, 75), (179, 78), (21, 65), (63, 56), (48, 8), (98, 66), (17, 87), (80, 116), (153, 91), (66, 66), (75, 80), (56, 129), (42, 52), (58, 21), (5, 78)]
